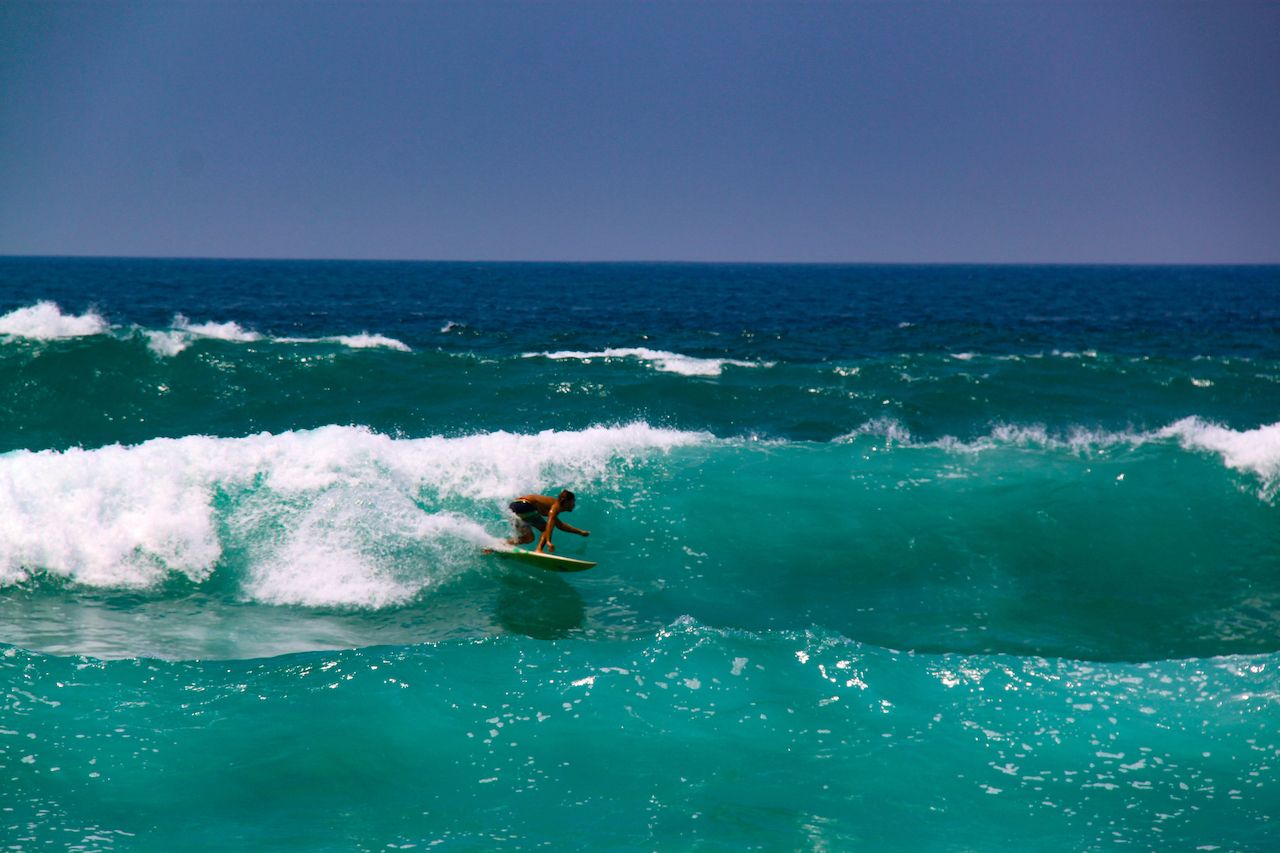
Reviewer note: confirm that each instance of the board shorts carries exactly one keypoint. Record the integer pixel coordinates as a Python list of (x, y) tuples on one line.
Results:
[(527, 516)]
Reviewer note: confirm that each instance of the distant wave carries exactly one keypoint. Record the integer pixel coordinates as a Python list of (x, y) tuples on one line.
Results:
[(172, 341), (667, 362), (184, 333), (1252, 451), (1064, 354), (314, 514), (364, 340), (45, 321), (1077, 439)]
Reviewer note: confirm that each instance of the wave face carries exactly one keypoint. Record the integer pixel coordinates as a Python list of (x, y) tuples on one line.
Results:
[(895, 557), (1005, 544)]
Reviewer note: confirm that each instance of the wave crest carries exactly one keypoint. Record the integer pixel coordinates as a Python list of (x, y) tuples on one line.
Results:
[(1255, 451), (661, 360), (184, 333), (1251, 451), (336, 515), (45, 321)]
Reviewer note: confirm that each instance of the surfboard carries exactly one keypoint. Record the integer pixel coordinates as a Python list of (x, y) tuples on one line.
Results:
[(550, 562)]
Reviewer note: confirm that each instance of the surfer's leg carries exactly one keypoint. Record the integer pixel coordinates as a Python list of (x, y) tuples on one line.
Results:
[(524, 533)]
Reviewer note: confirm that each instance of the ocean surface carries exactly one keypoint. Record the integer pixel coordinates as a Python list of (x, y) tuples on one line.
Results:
[(941, 558)]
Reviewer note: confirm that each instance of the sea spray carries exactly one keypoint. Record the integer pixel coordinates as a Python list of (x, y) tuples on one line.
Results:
[(45, 321)]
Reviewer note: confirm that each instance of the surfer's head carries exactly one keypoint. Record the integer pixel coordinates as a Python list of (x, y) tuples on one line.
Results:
[(566, 500)]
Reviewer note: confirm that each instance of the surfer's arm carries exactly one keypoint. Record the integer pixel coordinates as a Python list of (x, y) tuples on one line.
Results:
[(571, 529), (544, 541)]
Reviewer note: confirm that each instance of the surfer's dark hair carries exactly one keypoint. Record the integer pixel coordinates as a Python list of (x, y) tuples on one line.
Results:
[(567, 495)]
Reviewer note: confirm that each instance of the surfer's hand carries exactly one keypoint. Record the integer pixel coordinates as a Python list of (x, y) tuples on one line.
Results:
[(550, 549), (586, 533)]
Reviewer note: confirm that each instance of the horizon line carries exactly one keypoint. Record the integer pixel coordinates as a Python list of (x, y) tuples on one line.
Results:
[(635, 262)]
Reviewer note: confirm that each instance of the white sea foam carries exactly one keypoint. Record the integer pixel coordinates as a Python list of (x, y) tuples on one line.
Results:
[(168, 343), (333, 516), (364, 340), (183, 333), (45, 321), (172, 341), (667, 362), (1075, 439), (1256, 451), (228, 331), (892, 431)]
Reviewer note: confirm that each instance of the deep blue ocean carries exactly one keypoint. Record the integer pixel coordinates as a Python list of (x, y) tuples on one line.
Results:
[(889, 557)]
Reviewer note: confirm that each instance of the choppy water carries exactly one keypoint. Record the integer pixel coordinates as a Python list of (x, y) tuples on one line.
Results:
[(936, 557)]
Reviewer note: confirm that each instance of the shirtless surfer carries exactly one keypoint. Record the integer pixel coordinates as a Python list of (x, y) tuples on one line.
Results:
[(542, 512)]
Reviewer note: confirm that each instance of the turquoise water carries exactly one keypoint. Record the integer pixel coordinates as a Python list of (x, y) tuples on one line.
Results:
[(929, 558)]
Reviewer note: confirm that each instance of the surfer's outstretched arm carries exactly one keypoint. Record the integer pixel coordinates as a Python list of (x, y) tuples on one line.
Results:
[(571, 529)]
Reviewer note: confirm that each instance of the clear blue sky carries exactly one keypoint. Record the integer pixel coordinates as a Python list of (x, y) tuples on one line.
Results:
[(918, 132)]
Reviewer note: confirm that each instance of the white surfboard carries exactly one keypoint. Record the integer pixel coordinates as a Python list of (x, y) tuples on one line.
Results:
[(550, 562)]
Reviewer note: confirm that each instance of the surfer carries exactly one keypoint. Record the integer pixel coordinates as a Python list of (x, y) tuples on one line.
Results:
[(542, 512)]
